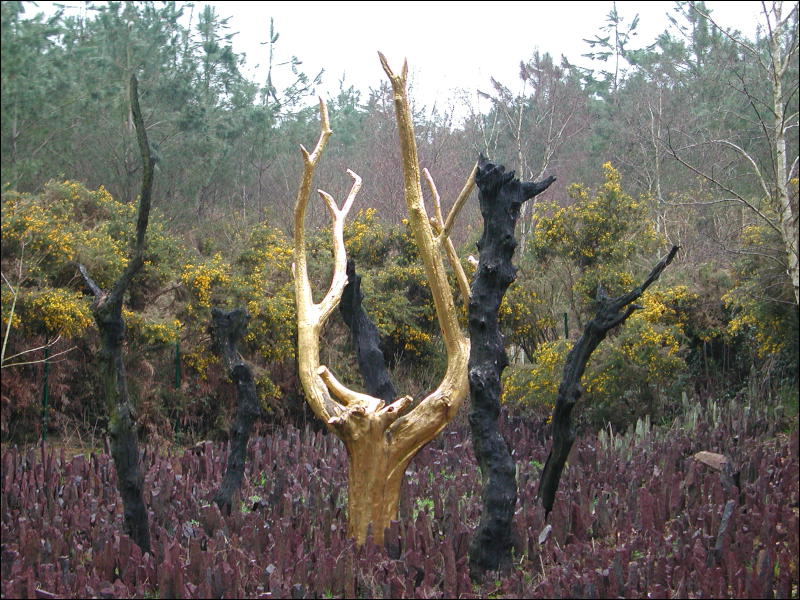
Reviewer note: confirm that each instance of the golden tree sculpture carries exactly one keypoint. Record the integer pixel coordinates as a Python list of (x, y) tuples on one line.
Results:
[(381, 438)]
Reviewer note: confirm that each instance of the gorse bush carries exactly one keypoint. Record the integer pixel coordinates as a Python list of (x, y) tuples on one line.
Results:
[(203, 277), (600, 228), (367, 240), (45, 235), (527, 316), (760, 301), (263, 275), (595, 242), (57, 312), (533, 389), (639, 371), (689, 331), (167, 312)]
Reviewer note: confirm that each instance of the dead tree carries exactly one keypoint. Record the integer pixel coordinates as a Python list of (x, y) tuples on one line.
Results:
[(610, 313), (501, 197), (107, 312), (227, 328), (381, 438), (366, 340)]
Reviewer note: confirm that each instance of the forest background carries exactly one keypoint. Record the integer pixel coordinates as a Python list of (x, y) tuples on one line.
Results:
[(675, 143)]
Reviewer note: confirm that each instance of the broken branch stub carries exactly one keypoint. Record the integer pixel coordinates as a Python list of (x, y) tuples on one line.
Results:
[(366, 339), (227, 329)]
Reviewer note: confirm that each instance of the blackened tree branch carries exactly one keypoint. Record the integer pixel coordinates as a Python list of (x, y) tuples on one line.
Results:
[(501, 196), (366, 339), (148, 164), (145, 195), (610, 313), (227, 329), (95, 289), (107, 312)]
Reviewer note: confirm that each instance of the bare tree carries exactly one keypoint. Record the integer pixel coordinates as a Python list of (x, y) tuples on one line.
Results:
[(611, 312), (227, 330), (501, 197), (107, 311), (380, 438), (776, 115)]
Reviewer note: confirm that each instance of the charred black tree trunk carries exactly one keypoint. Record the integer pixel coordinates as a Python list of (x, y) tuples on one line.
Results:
[(226, 331), (366, 340), (610, 313), (107, 312), (501, 197)]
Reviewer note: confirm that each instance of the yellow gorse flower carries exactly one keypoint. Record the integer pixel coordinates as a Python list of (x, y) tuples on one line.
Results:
[(199, 278), (61, 312)]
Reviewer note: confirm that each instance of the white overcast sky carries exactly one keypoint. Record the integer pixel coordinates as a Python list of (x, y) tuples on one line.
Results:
[(449, 45)]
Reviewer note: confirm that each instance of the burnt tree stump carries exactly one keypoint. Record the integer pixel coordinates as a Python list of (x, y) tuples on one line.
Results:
[(366, 339), (610, 313), (501, 197), (227, 328)]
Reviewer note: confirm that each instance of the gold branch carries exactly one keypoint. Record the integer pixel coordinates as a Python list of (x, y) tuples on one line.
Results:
[(339, 279), (347, 396), (310, 316), (469, 185), (444, 240), (434, 412)]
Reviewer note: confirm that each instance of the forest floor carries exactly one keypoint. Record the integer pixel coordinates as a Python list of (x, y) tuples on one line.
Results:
[(636, 515)]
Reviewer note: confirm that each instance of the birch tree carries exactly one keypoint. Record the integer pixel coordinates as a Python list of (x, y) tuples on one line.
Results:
[(774, 111)]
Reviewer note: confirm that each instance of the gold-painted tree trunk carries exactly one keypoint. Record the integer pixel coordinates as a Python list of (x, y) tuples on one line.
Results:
[(380, 438), (374, 483)]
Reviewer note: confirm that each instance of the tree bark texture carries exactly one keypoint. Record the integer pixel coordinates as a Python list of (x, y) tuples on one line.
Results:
[(107, 312), (610, 313), (501, 196), (787, 205), (227, 328), (366, 340), (375, 479)]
